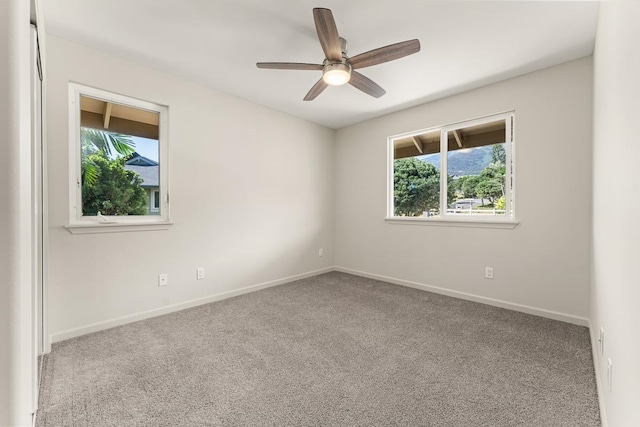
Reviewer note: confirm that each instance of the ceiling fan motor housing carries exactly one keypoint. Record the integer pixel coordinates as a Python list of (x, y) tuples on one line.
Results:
[(337, 73), (343, 47)]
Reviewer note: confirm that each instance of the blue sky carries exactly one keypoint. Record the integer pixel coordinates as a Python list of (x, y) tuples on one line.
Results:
[(146, 147)]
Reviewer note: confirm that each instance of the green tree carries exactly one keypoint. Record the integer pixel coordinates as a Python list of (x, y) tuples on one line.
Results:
[(489, 189), (114, 190), (501, 203), (498, 155), (493, 171), (94, 141), (456, 185), (493, 176), (416, 187), (469, 185)]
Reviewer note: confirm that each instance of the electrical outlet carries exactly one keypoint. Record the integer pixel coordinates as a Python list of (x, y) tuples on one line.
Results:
[(609, 373), (200, 273), (321, 252), (163, 280), (488, 272), (601, 341)]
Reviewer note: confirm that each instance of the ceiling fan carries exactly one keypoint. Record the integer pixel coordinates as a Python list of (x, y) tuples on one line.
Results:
[(338, 68)]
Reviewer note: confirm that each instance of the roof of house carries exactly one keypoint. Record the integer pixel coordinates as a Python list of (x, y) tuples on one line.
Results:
[(138, 160), (146, 168)]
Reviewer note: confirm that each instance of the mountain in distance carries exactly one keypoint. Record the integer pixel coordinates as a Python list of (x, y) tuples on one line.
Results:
[(463, 162)]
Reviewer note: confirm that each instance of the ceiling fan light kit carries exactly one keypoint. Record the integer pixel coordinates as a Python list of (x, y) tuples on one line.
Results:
[(336, 74), (337, 68)]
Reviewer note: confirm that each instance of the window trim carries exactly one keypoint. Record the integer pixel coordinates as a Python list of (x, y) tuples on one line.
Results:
[(508, 221), (92, 224)]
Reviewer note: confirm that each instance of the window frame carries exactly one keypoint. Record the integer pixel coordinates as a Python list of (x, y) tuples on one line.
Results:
[(80, 224), (494, 221)]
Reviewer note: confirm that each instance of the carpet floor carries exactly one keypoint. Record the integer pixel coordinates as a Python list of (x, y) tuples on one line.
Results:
[(331, 350)]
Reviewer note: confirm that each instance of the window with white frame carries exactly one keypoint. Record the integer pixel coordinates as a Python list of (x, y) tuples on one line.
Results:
[(458, 172), (118, 153)]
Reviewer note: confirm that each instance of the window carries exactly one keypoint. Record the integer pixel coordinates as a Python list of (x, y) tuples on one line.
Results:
[(461, 172), (118, 152), (156, 200)]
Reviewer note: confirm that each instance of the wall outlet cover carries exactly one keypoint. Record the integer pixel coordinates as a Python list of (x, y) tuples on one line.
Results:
[(163, 279), (488, 272)]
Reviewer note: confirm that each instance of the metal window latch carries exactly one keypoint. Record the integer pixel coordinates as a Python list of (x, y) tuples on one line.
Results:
[(104, 220)]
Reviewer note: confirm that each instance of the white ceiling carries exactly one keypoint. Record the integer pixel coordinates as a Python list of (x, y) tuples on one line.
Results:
[(465, 44)]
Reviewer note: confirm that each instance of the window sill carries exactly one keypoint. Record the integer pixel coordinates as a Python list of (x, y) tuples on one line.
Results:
[(117, 227), (507, 224)]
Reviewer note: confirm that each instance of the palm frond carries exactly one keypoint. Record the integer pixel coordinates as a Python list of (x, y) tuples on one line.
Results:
[(96, 138), (104, 141), (122, 144), (90, 172)]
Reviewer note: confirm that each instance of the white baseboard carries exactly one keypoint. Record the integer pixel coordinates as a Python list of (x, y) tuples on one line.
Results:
[(107, 324), (600, 384), (98, 326), (563, 317)]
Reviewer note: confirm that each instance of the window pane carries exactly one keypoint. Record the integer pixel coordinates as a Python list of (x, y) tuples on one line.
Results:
[(476, 162), (416, 175), (119, 159)]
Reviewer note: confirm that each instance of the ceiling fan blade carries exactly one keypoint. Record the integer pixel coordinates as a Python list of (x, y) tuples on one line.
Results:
[(385, 54), (316, 90), (289, 66), (327, 33), (366, 85)]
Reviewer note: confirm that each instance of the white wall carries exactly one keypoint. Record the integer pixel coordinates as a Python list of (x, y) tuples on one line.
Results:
[(251, 198), (615, 291), (15, 215), (544, 262)]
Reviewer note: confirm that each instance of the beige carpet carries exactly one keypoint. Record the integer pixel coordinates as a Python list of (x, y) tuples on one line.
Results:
[(333, 350)]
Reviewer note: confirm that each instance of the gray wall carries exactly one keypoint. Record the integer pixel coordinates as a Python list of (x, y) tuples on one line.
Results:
[(615, 291), (251, 198), (541, 266)]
